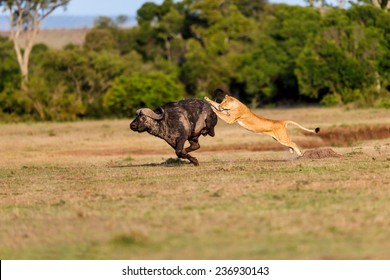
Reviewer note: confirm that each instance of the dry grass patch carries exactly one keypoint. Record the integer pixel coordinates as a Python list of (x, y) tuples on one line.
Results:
[(57, 38), (349, 135), (95, 190)]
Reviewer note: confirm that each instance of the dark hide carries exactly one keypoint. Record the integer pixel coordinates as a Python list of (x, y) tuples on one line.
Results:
[(177, 123)]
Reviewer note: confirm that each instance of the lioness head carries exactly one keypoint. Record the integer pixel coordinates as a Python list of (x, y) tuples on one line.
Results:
[(229, 103)]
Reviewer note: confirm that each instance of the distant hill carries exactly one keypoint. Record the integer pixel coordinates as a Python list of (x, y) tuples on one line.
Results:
[(57, 38), (58, 31), (65, 22)]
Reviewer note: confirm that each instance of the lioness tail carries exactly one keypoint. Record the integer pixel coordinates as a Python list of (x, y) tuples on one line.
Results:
[(316, 130)]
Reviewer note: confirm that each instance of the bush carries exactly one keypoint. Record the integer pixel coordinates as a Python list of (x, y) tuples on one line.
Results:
[(44, 103), (99, 40), (330, 100), (141, 90)]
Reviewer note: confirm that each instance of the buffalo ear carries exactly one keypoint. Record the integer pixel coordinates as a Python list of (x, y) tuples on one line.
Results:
[(159, 110)]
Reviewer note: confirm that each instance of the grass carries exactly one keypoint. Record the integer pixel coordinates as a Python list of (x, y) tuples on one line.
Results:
[(96, 190)]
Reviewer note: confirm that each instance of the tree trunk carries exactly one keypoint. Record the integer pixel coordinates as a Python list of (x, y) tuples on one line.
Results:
[(376, 3), (168, 48), (381, 4), (25, 18), (23, 57)]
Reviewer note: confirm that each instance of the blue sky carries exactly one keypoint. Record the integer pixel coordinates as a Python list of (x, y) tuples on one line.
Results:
[(94, 8), (118, 7), (103, 7)]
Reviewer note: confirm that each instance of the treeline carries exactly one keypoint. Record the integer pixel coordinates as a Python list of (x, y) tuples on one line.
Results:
[(262, 53)]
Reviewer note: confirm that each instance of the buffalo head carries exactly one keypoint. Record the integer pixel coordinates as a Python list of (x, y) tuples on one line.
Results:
[(146, 119)]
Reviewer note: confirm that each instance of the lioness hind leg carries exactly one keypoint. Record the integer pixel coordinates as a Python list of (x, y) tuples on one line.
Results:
[(283, 139), (294, 147)]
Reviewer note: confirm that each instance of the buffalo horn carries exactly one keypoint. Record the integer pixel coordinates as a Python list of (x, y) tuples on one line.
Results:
[(150, 113)]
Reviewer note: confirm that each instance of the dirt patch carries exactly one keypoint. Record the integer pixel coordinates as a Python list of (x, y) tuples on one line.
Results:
[(254, 147), (342, 136), (348, 135), (95, 152), (320, 153)]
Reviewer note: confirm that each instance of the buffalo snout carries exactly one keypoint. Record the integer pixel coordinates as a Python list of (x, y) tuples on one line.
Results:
[(139, 125), (133, 126)]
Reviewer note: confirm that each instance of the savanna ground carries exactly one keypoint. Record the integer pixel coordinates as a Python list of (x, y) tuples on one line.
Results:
[(56, 38), (96, 190)]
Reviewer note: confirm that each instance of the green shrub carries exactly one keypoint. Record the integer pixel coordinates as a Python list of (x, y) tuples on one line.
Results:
[(44, 103), (141, 90), (331, 100)]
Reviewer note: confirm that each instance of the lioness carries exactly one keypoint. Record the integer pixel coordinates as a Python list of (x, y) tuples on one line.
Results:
[(232, 110)]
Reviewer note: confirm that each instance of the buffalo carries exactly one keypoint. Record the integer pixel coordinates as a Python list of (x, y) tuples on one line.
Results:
[(178, 122)]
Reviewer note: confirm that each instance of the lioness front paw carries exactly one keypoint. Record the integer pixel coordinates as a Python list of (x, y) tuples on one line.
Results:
[(206, 98)]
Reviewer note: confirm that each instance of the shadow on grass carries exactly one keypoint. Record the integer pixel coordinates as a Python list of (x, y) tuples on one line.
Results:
[(130, 240), (170, 162)]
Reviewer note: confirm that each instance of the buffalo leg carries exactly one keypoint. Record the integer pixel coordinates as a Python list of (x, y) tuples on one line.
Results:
[(193, 160), (194, 145), (210, 127), (181, 153)]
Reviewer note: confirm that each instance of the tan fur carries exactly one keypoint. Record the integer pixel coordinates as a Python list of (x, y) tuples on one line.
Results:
[(232, 110)]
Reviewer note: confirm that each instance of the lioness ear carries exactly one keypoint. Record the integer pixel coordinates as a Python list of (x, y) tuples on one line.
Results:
[(226, 95)]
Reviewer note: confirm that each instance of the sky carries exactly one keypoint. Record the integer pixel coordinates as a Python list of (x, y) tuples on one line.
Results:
[(84, 12), (103, 7), (121, 7)]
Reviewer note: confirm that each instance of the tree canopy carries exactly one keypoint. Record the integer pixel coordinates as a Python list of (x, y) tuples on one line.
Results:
[(26, 17), (262, 53)]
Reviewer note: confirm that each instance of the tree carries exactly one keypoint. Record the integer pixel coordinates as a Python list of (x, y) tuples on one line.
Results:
[(121, 20), (382, 4), (250, 8), (8, 65), (169, 29), (343, 63), (104, 22), (9, 72), (26, 17), (256, 70), (141, 90), (147, 13), (99, 39), (88, 74), (285, 35)]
